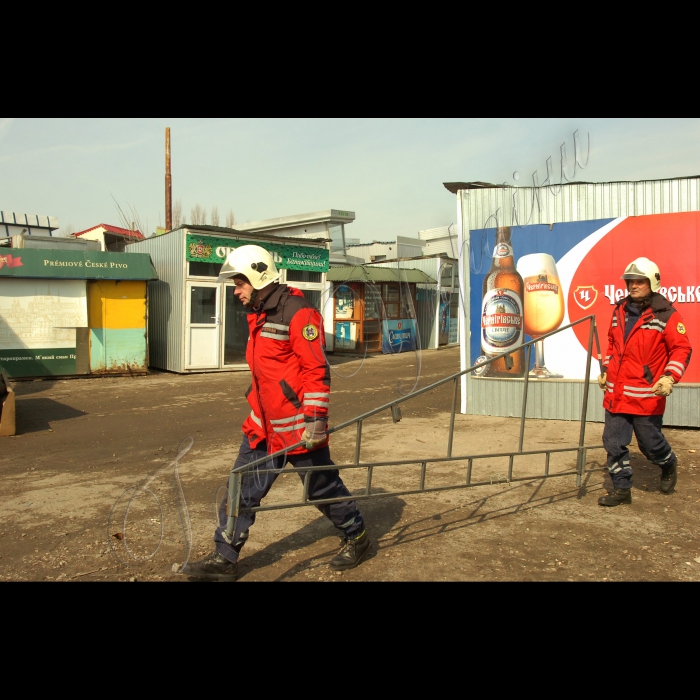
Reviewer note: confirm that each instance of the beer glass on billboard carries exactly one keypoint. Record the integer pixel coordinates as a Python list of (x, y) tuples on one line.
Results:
[(502, 313), (544, 304)]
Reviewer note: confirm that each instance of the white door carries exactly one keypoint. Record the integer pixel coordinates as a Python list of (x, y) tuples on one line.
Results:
[(204, 324), (235, 329)]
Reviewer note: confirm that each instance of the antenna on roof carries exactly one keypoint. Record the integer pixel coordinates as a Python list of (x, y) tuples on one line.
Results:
[(168, 184)]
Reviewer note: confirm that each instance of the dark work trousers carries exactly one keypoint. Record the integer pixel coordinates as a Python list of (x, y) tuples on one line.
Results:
[(322, 484), (618, 434)]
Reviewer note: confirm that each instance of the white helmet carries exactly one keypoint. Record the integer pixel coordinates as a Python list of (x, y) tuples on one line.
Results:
[(252, 262), (642, 268)]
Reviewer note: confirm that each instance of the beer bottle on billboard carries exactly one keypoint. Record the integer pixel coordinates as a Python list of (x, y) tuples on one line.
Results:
[(502, 310)]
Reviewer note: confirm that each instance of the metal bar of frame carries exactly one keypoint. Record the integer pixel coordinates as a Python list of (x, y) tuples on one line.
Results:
[(233, 507), (452, 416), (524, 409), (358, 442), (418, 460), (235, 494), (584, 406), (422, 488), (307, 479), (414, 394), (429, 489), (597, 345)]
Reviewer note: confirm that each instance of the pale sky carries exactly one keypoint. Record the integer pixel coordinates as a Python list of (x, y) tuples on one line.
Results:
[(388, 171)]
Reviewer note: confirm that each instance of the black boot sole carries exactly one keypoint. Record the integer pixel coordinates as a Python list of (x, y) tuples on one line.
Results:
[(221, 578)]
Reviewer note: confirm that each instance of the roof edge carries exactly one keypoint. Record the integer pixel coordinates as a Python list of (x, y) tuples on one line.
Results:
[(454, 187)]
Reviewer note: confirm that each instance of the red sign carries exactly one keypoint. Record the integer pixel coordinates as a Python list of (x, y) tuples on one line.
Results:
[(10, 261), (671, 241)]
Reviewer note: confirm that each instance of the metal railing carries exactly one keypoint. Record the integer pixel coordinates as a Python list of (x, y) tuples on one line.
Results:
[(237, 473)]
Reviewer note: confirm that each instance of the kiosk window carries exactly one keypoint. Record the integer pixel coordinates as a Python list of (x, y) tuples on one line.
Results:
[(204, 269), (313, 296), (203, 305), (303, 276)]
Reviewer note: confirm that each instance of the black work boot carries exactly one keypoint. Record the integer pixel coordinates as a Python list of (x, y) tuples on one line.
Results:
[(669, 476), (615, 498), (213, 567), (352, 553)]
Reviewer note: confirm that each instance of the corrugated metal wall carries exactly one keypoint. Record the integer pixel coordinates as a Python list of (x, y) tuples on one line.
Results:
[(367, 250), (166, 299), (409, 251), (442, 246), (518, 206), (490, 207), (440, 241), (563, 400)]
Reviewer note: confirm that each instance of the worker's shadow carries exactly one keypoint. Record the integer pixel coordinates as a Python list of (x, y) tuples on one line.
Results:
[(382, 516), (36, 414)]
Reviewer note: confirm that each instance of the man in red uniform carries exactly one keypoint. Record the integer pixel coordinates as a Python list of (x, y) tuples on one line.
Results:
[(648, 351), (288, 397)]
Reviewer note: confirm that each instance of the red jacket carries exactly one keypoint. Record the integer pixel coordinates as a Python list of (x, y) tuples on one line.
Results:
[(656, 345), (291, 378)]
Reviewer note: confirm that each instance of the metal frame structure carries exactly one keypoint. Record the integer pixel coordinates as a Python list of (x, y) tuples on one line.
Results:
[(234, 508)]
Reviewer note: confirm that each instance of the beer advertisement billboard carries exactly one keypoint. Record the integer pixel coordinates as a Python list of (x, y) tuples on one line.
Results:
[(529, 280)]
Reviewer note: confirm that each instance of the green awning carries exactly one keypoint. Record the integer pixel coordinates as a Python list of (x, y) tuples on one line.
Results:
[(360, 273), (71, 264)]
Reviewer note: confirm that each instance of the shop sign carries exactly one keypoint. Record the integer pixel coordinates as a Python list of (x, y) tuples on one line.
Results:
[(398, 335), (70, 264), (288, 257), (47, 362)]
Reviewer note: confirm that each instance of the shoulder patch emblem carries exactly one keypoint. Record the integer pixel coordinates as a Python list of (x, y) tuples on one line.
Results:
[(680, 328), (310, 332)]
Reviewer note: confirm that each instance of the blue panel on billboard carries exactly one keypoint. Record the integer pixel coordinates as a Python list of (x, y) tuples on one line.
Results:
[(556, 240), (398, 336)]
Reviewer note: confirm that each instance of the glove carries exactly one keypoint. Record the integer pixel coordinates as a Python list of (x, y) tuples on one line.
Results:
[(664, 386), (314, 434), (602, 378)]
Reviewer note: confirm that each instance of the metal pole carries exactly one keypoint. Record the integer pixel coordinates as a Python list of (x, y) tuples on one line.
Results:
[(452, 418), (395, 404), (233, 507), (358, 442), (586, 387), (368, 486), (597, 345), (305, 494), (525, 387), (168, 184)]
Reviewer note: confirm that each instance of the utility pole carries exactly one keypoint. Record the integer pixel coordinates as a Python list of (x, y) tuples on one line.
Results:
[(168, 184)]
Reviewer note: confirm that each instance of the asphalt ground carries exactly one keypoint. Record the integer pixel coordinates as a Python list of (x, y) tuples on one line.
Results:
[(81, 444)]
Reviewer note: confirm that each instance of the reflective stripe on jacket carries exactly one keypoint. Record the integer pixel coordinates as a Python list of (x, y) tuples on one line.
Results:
[(291, 381), (656, 345)]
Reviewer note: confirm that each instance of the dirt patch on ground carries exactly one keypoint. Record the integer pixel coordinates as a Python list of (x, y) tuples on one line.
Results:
[(82, 444)]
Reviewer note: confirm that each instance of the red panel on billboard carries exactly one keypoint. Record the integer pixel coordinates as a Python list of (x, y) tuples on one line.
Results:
[(671, 241)]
